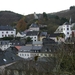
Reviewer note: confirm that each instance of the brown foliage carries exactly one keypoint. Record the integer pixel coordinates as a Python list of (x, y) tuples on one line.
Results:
[(21, 25)]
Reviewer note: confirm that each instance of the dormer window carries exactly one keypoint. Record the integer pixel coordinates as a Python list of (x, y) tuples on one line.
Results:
[(4, 60), (35, 51)]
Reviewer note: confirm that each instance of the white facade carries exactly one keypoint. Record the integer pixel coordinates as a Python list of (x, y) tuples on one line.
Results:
[(7, 33), (66, 29), (34, 28), (24, 55), (20, 35), (33, 37)]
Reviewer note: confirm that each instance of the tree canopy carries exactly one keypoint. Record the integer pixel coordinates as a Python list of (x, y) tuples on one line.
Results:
[(21, 25)]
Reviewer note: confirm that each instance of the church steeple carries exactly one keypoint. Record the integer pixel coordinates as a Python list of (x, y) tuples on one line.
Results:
[(35, 16)]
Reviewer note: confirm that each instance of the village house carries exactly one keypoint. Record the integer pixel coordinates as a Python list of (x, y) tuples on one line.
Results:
[(34, 27), (7, 31), (42, 35), (5, 44), (66, 28), (57, 37), (33, 35), (32, 51)]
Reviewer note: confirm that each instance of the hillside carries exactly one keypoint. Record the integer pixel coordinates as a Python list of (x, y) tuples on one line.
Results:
[(67, 14), (8, 17)]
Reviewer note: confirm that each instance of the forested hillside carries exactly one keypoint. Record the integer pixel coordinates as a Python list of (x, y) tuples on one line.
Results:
[(9, 18)]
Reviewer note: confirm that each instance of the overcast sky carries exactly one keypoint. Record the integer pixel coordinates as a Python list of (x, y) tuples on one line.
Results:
[(39, 6)]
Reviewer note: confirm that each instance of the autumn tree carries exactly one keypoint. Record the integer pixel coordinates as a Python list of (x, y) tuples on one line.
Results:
[(21, 25)]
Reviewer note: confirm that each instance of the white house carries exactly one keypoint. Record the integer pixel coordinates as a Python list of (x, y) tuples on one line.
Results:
[(6, 31), (34, 27), (33, 35), (24, 51), (32, 51), (20, 34), (66, 29)]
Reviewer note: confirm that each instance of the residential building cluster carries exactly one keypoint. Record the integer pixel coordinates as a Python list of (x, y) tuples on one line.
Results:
[(41, 44)]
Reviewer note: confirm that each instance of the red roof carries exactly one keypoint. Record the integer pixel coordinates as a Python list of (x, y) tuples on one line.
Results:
[(18, 47)]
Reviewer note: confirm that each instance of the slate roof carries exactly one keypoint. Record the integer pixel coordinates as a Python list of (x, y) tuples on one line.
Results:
[(4, 42), (39, 49), (43, 34), (7, 57), (12, 50), (25, 48), (16, 43), (56, 35), (32, 33), (6, 27), (33, 25), (29, 48), (48, 41), (66, 23), (37, 43), (49, 48), (36, 47)]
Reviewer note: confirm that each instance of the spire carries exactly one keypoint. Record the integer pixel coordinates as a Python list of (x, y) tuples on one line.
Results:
[(35, 16)]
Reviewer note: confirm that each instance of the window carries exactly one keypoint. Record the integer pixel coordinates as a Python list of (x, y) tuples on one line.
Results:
[(2, 32), (6, 32), (5, 35), (12, 58), (22, 54), (67, 28), (34, 37), (67, 25), (11, 32), (27, 54), (45, 55), (67, 32), (35, 51), (41, 54), (8, 35), (62, 29), (2, 35), (58, 30)]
